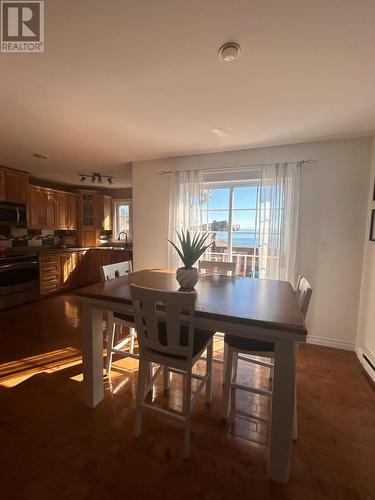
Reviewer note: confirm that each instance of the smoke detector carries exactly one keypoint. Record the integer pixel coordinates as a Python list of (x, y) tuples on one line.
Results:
[(229, 51)]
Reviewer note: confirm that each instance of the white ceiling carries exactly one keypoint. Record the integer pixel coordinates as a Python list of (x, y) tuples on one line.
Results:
[(128, 80)]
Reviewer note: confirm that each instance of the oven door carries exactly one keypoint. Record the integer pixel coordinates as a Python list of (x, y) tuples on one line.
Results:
[(18, 276)]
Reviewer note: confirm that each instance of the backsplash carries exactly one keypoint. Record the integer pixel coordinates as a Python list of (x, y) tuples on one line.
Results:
[(22, 237)]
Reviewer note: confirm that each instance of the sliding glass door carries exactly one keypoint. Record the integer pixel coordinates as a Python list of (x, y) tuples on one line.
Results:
[(230, 213)]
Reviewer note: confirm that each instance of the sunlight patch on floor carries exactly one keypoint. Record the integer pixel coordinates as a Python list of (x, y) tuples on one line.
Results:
[(15, 372)]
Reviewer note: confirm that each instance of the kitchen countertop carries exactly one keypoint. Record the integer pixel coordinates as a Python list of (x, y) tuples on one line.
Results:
[(50, 250)]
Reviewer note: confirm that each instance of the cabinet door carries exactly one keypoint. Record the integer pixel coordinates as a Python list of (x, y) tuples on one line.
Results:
[(3, 193), (88, 238), (50, 274), (61, 216), (35, 213), (16, 187), (72, 211), (99, 211), (120, 256), (49, 203), (64, 270), (107, 213)]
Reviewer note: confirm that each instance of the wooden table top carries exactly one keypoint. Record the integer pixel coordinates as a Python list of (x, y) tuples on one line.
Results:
[(254, 302)]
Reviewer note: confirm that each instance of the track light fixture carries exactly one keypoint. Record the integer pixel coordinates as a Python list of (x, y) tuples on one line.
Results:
[(95, 177)]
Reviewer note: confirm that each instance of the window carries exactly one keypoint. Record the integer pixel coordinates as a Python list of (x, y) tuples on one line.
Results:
[(122, 218), (246, 219)]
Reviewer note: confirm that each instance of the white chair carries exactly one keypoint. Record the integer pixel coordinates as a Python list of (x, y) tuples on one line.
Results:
[(213, 267), (119, 320), (167, 337), (238, 348), (210, 267)]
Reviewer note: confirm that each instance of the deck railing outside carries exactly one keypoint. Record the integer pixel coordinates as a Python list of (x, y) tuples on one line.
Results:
[(249, 261)]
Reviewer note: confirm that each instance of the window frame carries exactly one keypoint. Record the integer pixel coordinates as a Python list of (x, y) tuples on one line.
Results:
[(116, 230)]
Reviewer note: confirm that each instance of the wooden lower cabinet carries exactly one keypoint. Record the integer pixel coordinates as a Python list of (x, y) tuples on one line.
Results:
[(68, 270), (50, 274)]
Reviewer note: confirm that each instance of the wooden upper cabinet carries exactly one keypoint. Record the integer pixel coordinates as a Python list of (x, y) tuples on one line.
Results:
[(3, 192), (16, 186), (35, 212), (40, 208), (49, 206), (103, 212), (61, 212), (107, 213), (72, 211)]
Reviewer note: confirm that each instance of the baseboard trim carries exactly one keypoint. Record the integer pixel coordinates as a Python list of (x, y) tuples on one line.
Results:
[(362, 355), (337, 344)]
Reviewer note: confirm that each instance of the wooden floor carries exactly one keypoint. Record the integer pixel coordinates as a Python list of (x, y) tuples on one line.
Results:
[(53, 447)]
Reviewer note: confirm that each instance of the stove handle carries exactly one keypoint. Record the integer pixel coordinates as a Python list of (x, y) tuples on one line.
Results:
[(18, 265)]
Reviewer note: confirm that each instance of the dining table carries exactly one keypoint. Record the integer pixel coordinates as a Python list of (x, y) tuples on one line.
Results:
[(246, 307)]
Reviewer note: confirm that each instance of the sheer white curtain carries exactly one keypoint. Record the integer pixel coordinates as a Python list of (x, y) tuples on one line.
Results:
[(184, 208), (277, 224)]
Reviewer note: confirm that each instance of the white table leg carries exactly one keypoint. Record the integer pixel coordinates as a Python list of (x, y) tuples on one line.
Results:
[(92, 355), (283, 395)]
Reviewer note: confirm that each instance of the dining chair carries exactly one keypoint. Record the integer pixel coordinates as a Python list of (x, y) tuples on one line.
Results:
[(244, 349), (167, 337), (119, 320), (213, 267), (210, 267)]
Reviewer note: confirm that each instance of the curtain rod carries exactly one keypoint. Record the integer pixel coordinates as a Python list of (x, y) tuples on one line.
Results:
[(304, 162)]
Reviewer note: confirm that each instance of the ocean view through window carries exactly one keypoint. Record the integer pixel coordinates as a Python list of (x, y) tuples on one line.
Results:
[(231, 214), (252, 212)]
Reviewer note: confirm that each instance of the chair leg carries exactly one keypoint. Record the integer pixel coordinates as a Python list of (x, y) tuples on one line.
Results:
[(187, 414), (132, 335), (225, 359), (235, 367), (111, 336), (142, 376), (210, 350), (227, 384), (149, 375), (166, 378)]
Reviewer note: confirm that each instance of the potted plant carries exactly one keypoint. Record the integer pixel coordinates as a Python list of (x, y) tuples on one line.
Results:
[(191, 248)]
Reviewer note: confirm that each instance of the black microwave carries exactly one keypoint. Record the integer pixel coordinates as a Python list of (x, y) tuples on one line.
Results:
[(13, 215)]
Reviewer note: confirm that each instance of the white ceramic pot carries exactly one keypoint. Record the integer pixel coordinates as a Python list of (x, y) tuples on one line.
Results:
[(187, 278)]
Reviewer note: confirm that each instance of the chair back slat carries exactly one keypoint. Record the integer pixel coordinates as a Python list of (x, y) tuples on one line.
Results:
[(112, 271), (153, 307), (303, 294), (213, 267)]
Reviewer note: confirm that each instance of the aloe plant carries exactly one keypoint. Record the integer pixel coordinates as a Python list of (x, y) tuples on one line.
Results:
[(191, 247)]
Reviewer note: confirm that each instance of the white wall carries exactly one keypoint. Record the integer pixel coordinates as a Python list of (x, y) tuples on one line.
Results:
[(366, 322), (334, 195)]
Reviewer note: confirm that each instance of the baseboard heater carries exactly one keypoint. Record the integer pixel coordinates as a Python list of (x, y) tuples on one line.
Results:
[(368, 363)]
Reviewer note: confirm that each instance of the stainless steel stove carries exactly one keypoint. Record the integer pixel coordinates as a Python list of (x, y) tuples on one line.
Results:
[(19, 278)]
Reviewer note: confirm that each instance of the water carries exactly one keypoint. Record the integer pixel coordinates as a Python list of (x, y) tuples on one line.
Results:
[(239, 239)]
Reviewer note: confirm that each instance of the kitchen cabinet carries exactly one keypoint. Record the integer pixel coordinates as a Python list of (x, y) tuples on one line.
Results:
[(88, 231), (3, 193), (69, 263), (103, 212), (71, 202), (49, 204), (35, 215), (66, 270), (50, 274), (61, 210), (40, 208), (16, 186)]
